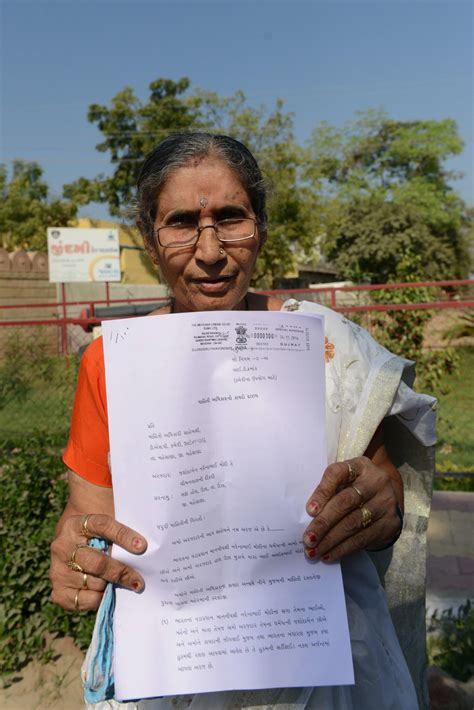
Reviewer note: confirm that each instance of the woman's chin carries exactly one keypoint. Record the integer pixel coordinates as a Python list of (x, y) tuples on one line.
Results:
[(225, 300)]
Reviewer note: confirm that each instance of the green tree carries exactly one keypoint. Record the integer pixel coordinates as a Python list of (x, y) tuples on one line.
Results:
[(386, 189), (131, 127), (26, 209)]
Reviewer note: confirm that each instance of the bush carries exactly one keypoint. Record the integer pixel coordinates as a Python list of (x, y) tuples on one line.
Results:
[(36, 386), (451, 644), (22, 365), (453, 483), (403, 332), (33, 493)]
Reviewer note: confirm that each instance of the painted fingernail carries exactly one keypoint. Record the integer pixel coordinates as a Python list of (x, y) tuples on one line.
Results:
[(326, 557), (310, 538), (137, 586), (137, 543), (313, 507), (311, 553)]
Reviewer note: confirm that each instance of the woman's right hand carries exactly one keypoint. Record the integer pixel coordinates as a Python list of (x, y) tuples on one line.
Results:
[(77, 590)]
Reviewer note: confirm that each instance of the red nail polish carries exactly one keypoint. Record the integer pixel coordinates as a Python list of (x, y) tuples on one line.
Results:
[(311, 553), (137, 543), (313, 507), (326, 557), (311, 537), (136, 586)]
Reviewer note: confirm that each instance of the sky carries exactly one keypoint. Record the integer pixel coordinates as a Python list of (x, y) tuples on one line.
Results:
[(325, 59)]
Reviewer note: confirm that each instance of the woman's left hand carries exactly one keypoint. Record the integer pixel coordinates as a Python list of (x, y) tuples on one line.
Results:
[(353, 508)]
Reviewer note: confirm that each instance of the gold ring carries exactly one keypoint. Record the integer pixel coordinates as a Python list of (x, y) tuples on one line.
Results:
[(361, 497), (84, 581), (84, 529), (78, 547), (76, 600), (366, 517), (352, 473), (72, 564)]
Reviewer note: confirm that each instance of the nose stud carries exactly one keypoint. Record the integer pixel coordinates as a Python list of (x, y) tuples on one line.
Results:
[(221, 251)]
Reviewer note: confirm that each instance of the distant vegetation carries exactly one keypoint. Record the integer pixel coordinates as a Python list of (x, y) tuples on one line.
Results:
[(363, 195)]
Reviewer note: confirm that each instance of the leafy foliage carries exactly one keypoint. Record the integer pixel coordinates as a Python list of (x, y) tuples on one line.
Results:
[(131, 128), (386, 189), (403, 332), (454, 483), (364, 193), (26, 209), (33, 493), (22, 367), (451, 644)]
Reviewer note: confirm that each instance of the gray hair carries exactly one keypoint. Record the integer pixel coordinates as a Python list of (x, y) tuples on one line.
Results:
[(177, 151)]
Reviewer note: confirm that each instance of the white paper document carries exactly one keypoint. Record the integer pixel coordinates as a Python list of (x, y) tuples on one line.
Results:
[(217, 432)]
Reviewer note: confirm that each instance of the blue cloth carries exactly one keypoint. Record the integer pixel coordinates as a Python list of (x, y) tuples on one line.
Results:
[(98, 676)]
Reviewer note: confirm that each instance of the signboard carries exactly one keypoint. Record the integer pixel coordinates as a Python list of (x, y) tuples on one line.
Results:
[(83, 254)]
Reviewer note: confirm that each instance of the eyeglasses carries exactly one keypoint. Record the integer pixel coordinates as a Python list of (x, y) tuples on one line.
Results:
[(186, 234)]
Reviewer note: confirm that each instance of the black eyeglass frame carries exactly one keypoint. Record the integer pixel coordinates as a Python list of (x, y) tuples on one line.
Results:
[(199, 229)]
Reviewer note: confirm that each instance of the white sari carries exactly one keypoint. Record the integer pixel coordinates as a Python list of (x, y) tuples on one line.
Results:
[(364, 384)]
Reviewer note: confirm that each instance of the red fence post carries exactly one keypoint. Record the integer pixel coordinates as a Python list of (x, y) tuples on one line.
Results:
[(64, 343)]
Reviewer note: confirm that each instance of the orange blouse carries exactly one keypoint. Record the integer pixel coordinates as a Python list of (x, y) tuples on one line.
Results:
[(87, 451)]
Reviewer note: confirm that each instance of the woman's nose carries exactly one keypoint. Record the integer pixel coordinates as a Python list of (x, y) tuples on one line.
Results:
[(208, 248)]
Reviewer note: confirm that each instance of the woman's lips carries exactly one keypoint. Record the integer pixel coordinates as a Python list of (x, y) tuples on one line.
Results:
[(220, 283)]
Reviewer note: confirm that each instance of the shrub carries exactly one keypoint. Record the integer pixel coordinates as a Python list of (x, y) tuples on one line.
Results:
[(454, 483), (33, 492), (403, 332), (36, 386), (451, 643)]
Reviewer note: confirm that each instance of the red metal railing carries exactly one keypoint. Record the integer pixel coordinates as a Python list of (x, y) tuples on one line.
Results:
[(450, 294)]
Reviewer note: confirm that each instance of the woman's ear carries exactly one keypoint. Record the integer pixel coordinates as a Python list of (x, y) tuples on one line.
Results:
[(152, 252), (148, 241)]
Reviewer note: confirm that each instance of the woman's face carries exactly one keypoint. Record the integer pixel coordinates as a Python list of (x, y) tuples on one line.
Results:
[(208, 275)]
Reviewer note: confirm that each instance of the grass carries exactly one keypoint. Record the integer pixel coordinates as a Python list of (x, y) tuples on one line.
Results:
[(455, 450)]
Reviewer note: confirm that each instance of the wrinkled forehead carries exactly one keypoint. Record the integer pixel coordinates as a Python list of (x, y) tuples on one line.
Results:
[(203, 181)]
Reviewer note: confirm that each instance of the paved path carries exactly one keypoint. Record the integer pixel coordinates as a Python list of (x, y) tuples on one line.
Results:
[(450, 577)]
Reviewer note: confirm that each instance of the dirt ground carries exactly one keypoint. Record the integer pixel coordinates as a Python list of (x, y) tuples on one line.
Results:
[(438, 327), (55, 686)]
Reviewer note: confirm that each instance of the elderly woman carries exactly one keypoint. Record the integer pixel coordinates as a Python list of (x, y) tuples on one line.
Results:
[(201, 211)]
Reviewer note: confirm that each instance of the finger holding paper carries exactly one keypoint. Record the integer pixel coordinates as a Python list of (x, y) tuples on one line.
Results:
[(79, 573), (354, 508)]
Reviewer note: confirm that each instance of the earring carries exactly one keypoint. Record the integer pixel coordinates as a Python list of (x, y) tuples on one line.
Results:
[(221, 251)]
